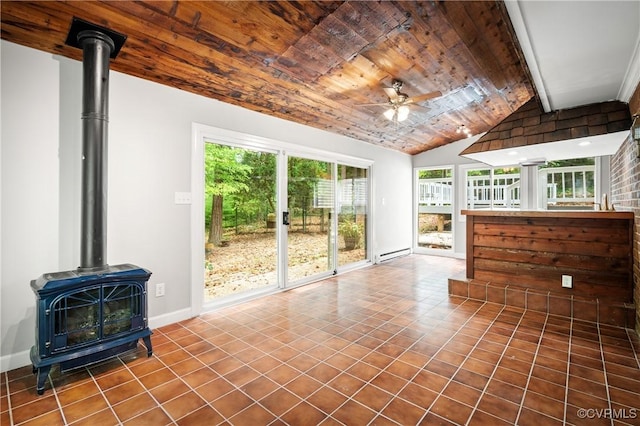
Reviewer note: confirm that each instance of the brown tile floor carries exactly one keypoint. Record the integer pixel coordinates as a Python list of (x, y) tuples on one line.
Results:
[(381, 345)]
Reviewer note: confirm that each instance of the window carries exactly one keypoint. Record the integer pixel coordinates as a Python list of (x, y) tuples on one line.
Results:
[(567, 184), (489, 188), (434, 208)]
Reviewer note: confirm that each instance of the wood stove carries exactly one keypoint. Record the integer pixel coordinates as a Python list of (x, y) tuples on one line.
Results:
[(96, 311), (83, 318)]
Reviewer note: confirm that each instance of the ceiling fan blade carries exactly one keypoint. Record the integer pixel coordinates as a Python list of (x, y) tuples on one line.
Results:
[(386, 104), (421, 108), (391, 93), (423, 97)]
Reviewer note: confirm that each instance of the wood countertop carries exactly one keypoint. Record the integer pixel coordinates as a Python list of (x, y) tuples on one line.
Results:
[(579, 214)]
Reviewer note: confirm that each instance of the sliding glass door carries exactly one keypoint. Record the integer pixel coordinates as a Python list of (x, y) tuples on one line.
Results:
[(270, 219), (353, 208), (310, 201), (241, 252)]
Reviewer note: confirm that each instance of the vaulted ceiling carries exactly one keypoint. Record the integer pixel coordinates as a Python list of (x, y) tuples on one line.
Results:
[(319, 63)]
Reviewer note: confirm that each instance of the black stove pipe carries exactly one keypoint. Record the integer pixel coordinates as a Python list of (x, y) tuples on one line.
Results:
[(98, 45), (97, 48)]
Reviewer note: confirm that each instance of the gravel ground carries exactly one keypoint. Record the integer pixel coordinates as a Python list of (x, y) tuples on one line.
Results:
[(249, 261)]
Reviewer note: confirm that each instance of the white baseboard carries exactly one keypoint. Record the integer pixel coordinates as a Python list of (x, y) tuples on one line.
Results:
[(22, 359), (13, 361), (169, 318)]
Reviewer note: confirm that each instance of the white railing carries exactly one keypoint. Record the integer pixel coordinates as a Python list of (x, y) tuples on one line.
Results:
[(564, 185), (504, 193), (567, 185), (439, 192), (352, 192), (512, 194), (435, 192)]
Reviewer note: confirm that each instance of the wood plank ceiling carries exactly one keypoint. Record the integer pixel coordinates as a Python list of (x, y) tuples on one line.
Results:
[(311, 62)]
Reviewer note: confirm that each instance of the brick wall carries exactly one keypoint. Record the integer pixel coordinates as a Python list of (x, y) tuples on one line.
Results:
[(625, 194)]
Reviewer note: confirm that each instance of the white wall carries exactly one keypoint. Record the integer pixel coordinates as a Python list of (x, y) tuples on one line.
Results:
[(149, 160), (30, 212)]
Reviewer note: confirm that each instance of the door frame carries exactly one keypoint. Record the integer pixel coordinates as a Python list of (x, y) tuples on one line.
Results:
[(416, 213), (202, 133)]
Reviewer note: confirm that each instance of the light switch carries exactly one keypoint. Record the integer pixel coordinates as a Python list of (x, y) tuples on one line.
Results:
[(183, 198)]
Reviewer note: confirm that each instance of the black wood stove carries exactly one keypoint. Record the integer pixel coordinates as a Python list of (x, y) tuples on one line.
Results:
[(98, 310)]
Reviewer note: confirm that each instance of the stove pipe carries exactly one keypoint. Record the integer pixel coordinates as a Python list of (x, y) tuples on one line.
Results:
[(98, 45), (96, 48)]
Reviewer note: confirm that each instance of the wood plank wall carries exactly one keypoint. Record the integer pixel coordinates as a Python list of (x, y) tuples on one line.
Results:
[(534, 251)]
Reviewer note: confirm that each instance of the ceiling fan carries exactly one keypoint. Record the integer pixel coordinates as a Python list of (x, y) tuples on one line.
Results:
[(399, 102)]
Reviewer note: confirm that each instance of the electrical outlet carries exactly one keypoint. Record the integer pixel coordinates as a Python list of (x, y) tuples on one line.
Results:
[(567, 281), (159, 289)]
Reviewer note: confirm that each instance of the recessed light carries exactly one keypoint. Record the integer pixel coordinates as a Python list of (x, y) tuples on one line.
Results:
[(512, 153), (585, 143)]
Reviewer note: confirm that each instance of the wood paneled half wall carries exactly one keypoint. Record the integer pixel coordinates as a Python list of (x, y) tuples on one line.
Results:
[(520, 258)]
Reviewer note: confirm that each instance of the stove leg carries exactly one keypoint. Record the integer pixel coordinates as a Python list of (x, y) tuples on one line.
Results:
[(43, 373), (147, 343)]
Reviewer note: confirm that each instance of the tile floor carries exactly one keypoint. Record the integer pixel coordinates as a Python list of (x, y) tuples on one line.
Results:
[(381, 345)]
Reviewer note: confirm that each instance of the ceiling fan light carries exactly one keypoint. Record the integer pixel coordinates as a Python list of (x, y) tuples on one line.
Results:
[(389, 114), (403, 113)]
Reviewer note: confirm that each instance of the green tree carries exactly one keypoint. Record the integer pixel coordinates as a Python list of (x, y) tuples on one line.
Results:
[(303, 178), (263, 179), (587, 161), (435, 174), (225, 174)]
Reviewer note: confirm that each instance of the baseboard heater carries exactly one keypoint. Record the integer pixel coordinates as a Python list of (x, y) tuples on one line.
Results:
[(393, 254)]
